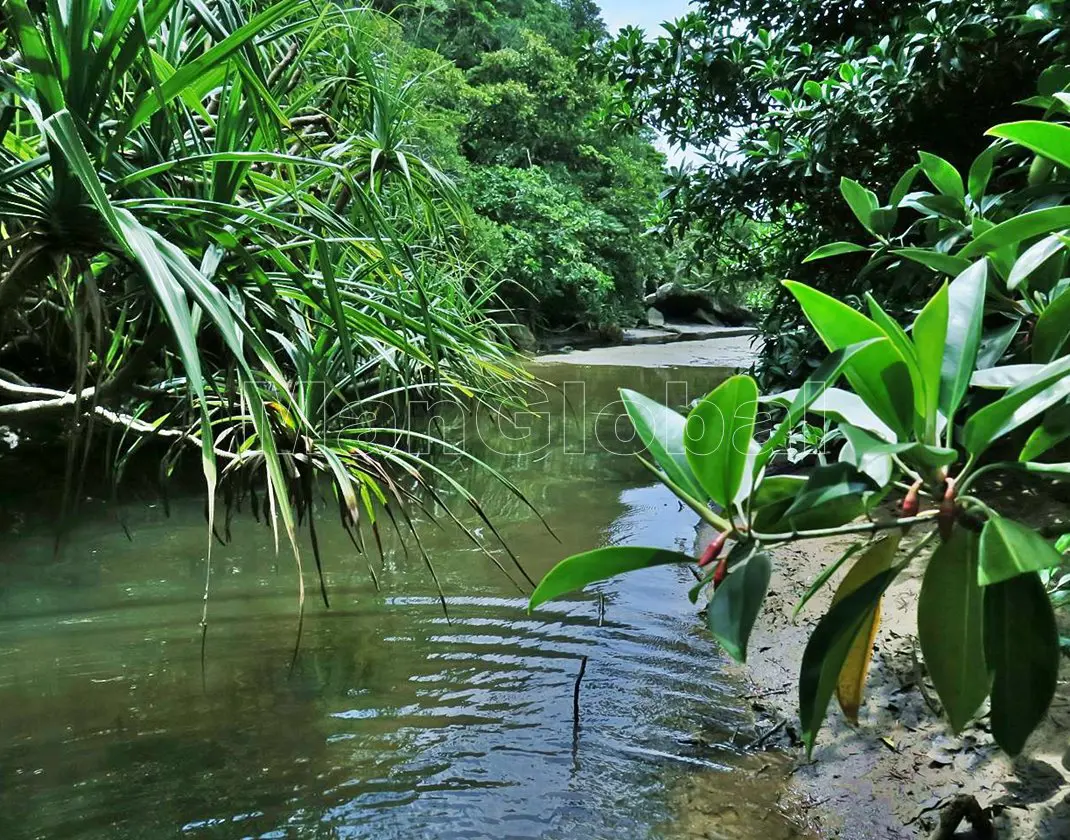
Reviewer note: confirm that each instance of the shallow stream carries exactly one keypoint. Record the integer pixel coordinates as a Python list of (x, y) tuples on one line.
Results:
[(395, 722)]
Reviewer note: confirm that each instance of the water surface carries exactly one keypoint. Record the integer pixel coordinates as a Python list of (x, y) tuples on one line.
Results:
[(394, 722)]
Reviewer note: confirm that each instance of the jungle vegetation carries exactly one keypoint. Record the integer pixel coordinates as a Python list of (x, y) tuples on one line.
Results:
[(916, 167)]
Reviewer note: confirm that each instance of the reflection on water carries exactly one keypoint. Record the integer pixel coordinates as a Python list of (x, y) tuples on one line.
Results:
[(395, 722)]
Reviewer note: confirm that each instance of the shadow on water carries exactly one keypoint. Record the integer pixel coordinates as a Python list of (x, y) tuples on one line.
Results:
[(395, 722)]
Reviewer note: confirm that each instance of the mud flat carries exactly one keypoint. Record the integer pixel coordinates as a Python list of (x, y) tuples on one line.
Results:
[(896, 773)]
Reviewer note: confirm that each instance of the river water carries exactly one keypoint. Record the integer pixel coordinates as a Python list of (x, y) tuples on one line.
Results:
[(394, 722)]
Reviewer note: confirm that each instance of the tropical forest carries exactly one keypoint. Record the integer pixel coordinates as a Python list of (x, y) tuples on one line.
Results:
[(558, 419)]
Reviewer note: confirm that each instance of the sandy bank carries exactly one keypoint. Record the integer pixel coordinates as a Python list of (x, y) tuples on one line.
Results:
[(892, 776), (733, 352)]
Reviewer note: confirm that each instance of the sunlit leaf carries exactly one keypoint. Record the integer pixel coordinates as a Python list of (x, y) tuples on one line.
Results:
[(1048, 387), (1051, 335), (861, 201), (944, 263), (834, 249), (966, 309), (930, 337), (1051, 140), (662, 432), (884, 381), (943, 175), (1053, 430), (718, 436), (1017, 229), (811, 393), (574, 573)]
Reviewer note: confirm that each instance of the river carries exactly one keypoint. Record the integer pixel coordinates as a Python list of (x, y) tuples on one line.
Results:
[(395, 721)]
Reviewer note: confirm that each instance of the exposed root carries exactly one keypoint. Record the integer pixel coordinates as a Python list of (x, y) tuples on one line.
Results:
[(964, 808)]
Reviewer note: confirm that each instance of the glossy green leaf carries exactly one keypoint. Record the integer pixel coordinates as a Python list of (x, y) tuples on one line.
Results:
[(1049, 386), (834, 249), (1021, 227), (908, 352), (1005, 377), (995, 342), (966, 311), (812, 391), (1051, 335), (981, 173), (1051, 140), (884, 381), (1009, 548), (944, 263), (878, 466), (1022, 652), (833, 495), (1053, 430), (883, 220), (776, 488), (950, 622), (717, 437), (943, 175), (841, 407), (737, 602), (903, 185), (861, 201), (827, 650), (867, 445), (930, 337), (1033, 259), (772, 500), (574, 573), (1046, 470), (662, 432)]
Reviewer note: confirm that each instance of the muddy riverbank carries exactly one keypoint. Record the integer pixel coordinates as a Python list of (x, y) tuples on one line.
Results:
[(896, 773)]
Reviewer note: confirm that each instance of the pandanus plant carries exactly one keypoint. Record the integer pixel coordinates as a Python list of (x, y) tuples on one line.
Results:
[(911, 424), (201, 249)]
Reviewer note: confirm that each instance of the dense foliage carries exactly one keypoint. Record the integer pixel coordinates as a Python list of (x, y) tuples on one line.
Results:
[(562, 201), (930, 412), (221, 232), (787, 98)]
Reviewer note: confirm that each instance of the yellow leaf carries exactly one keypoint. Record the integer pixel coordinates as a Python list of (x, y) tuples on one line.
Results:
[(874, 560), (856, 667)]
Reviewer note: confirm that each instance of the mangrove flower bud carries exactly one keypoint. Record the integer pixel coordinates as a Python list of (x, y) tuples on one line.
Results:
[(713, 550), (946, 517), (911, 502), (720, 572)]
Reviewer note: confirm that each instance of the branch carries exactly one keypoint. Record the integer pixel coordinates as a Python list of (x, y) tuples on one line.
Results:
[(861, 528), (38, 400)]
